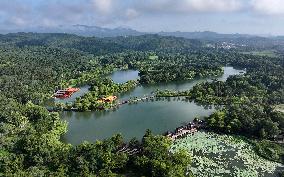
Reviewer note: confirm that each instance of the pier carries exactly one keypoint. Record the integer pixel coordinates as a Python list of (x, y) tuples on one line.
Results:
[(188, 129)]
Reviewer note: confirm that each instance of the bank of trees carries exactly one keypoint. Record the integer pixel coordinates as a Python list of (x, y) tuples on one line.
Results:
[(180, 66), (30, 139), (249, 120), (270, 150)]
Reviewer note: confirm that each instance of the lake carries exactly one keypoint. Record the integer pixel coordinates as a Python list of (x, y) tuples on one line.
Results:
[(133, 120)]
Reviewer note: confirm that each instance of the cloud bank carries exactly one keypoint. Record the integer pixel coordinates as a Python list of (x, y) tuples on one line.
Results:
[(269, 7), (189, 6), (50, 13)]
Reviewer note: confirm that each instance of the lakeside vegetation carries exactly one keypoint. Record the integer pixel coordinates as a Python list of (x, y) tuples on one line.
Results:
[(179, 67), (32, 66), (224, 155), (270, 150), (279, 108), (99, 89)]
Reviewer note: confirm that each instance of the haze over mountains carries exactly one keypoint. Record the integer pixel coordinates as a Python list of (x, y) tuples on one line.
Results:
[(85, 30)]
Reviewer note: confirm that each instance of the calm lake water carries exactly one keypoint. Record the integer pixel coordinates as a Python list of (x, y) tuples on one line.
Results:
[(133, 120)]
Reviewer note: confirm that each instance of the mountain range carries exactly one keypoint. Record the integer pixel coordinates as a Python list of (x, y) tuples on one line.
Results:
[(88, 31)]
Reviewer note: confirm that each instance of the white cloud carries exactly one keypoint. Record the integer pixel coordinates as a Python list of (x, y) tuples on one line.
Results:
[(48, 23), (191, 6), (131, 13), (18, 21), (269, 7), (214, 5), (103, 6)]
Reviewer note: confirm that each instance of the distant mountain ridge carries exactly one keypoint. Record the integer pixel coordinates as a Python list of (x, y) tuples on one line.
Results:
[(85, 30), (81, 30), (96, 31)]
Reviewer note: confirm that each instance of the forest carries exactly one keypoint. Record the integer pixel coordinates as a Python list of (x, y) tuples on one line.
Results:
[(33, 66)]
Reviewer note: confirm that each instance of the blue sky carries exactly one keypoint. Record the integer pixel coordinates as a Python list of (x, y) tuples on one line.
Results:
[(224, 16)]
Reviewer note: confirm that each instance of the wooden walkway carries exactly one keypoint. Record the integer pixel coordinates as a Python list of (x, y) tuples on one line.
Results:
[(136, 99), (183, 133), (188, 129)]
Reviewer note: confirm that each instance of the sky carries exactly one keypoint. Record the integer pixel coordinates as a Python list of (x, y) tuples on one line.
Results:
[(223, 16)]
